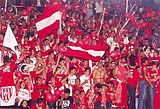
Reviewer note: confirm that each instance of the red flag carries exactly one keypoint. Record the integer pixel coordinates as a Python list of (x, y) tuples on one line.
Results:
[(49, 21), (86, 51)]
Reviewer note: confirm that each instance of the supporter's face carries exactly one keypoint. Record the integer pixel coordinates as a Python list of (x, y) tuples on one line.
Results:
[(82, 94), (51, 55), (113, 65), (100, 64), (74, 60), (77, 82), (24, 104), (40, 104), (39, 54), (39, 81), (154, 67), (87, 72), (76, 92), (155, 54), (52, 81), (66, 95), (123, 61), (85, 63), (73, 71), (96, 89), (103, 88), (27, 60), (22, 85)]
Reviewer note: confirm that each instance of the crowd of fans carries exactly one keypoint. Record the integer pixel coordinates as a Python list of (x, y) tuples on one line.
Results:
[(127, 76)]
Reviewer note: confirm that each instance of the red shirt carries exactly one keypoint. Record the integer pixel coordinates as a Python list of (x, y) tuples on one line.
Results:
[(79, 88), (152, 74), (7, 75), (133, 80)]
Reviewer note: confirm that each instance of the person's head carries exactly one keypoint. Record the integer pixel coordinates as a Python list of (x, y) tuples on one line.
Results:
[(40, 102), (110, 84), (123, 60), (113, 64), (62, 60), (27, 59), (51, 55), (87, 71), (6, 59), (73, 59), (66, 92), (144, 61), (85, 63), (97, 86), (22, 85), (76, 92), (156, 53), (39, 80), (38, 54), (82, 93), (100, 64), (77, 81), (52, 81), (103, 89), (72, 70), (154, 65), (24, 103)]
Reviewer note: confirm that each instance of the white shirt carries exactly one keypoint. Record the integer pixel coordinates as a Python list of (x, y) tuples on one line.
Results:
[(23, 94), (71, 79), (86, 86)]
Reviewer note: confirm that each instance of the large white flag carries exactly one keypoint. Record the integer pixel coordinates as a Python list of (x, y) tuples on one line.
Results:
[(9, 39)]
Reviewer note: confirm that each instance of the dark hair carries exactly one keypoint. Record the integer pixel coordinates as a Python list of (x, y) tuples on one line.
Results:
[(71, 58), (27, 57), (111, 82), (22, 103), (144, 59), (98, 85), (67, 90), (72, 68), (87, 69), (6, 59), (40, 100), (51, 52)]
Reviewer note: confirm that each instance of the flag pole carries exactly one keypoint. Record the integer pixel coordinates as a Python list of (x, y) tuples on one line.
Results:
[(101, 21), (60, 26), (127, 6), (5, 7)]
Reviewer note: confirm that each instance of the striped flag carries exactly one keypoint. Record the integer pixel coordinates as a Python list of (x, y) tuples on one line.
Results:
[(49, 21), (88, 52)]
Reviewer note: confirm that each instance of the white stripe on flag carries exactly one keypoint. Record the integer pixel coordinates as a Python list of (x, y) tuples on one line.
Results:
[(48, 21), (91, 52)]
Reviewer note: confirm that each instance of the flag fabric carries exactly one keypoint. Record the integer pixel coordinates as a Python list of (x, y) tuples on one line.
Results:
[(7, 96), (88, 52), (49, 21), (9, 39)]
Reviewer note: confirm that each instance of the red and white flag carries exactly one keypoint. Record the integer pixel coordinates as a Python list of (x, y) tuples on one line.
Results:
[(9, 39), (86, 51), (7, 95), (49, 21)]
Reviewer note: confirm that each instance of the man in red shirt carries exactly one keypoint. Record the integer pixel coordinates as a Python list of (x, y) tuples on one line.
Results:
[(7, 87), (6, 72), (132, 83), (152, 75), (143, 82)]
